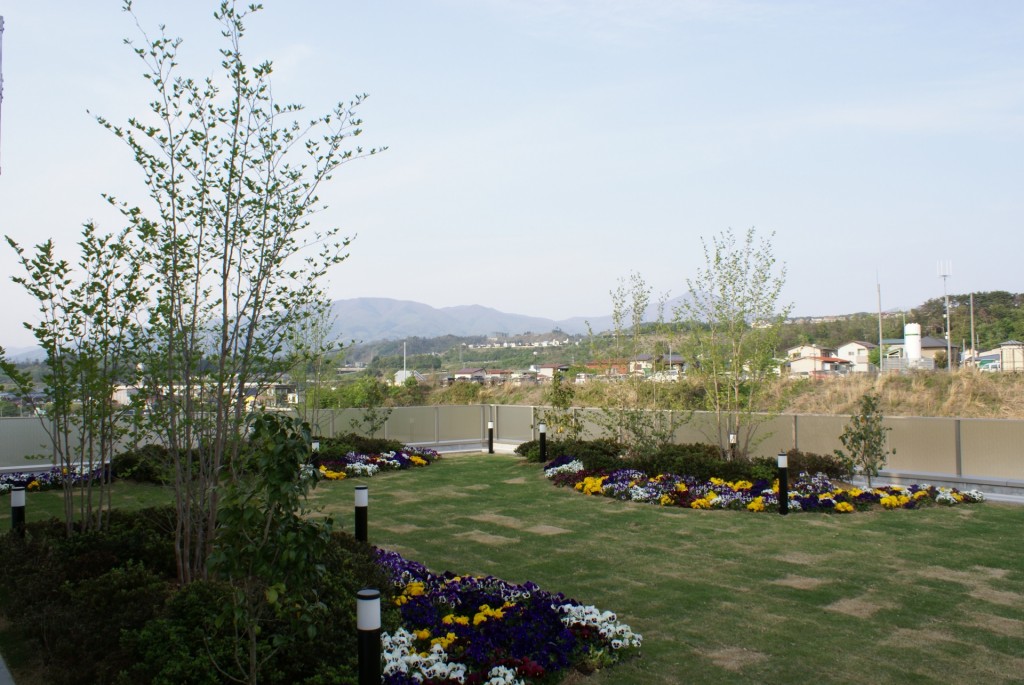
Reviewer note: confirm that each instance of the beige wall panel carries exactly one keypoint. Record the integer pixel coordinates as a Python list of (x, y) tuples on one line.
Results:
[(819, 434), (925, 445), (513, 424), (992, 448), (413, 424)]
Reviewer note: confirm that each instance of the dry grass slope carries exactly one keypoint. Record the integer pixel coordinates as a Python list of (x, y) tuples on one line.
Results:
[(965, 393)]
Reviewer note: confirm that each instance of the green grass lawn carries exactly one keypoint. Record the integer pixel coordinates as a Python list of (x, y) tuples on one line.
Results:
[(721, 597), (729, 597)]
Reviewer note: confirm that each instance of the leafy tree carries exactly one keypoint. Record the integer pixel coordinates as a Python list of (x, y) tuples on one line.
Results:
[(226, 242), (627, 414), (734, 319), (267, 547), (87, 328), (312, 351), (864, 439), (372, 399), (562, 421)]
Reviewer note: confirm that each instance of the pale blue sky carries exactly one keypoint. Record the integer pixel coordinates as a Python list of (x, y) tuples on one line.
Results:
[(541, 150)]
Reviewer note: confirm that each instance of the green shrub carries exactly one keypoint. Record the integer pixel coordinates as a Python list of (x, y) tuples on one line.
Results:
[(692, 459), (764, 468), (146, 464), (595, 454), (184, 643), (339, 446), (90, 617), (829, 464), (72, 596)]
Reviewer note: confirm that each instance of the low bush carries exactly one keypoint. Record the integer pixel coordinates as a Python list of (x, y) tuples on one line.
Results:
[(809, 462), (104, 607), (694, 459), (595, 454), (701, 461), (146, 464), (339, 446)]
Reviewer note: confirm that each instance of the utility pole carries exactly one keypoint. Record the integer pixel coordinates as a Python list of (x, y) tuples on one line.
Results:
[(945, 271), (974, 342), (878, 285), (1, 64)]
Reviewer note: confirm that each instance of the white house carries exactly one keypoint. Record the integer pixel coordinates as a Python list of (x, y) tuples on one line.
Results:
[(809, 350), (856, 352), (402, 376), (815, 360)]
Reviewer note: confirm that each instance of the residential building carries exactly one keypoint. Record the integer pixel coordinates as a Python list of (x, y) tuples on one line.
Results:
[(471, 375), (815, 360), (856, 352), (1011, 356)]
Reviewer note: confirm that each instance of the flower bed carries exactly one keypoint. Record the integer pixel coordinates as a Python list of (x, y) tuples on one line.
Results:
[(807, 493), (46, 480), (468, 630), (366, 465)]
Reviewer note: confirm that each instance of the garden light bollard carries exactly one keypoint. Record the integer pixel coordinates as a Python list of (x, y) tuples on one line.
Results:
[(362, 504), (543, 428), (18, 510), (783, 483), (490, 437), (368, 628), (732, 446), (315, 446)]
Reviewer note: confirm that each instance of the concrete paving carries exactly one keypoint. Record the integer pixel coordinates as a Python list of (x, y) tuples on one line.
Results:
[(5, 675)]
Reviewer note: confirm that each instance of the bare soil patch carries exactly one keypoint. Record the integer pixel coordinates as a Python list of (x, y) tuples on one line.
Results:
[(734, 658), (914, 638), (803, 558), (498, 520), (858, 607), (799, 582), (402, 529), (515, 481), (993, 596), (547, 530), (404, 496), (977, 579), (488, 539), (1010, 627)]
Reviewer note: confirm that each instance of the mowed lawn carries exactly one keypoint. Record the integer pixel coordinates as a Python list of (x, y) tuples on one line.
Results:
[(934, 595)]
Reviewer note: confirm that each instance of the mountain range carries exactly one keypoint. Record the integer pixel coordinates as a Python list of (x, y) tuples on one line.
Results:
[(367, 319), (371, 319)]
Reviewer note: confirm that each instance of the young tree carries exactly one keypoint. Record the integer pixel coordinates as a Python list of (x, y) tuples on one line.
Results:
[(312, 350), (371, 395), (87, 327), (561, 419), (864, 439), (734, 317), (628, 415), (226, 241), (268, 548)]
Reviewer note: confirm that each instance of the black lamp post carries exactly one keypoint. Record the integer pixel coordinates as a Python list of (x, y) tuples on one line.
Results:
[(783, 483), (368, 629), (18, 510), (361, 514), (543, 428)]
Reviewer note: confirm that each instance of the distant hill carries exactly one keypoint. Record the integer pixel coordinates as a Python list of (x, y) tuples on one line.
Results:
[(367, 319)]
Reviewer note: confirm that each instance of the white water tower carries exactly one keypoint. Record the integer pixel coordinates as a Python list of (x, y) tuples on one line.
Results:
[(912, 342)]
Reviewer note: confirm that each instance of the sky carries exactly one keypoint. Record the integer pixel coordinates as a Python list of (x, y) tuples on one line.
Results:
[(540, 151)]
